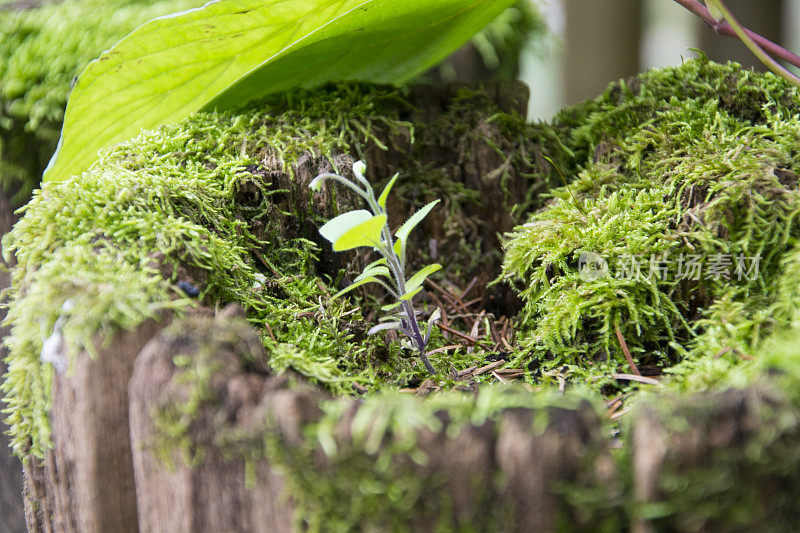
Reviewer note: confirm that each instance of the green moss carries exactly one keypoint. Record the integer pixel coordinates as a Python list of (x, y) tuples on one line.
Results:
[(200, 202), (175, 198), (669, 166), (41, 51)]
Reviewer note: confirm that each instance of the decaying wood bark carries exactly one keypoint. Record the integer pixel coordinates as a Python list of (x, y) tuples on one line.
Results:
[(213, 494), (11, 507), (542, 467), (719, 461), (86, 481)]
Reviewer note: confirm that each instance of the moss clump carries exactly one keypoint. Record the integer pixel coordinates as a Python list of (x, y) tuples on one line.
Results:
[(694, 164), (218, 202), (176, 199), (41, 51)]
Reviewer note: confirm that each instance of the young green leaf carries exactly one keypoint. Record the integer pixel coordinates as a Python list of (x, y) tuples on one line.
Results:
[(416, 218), (391, 306), (419, 278), (380, 261), (336, 227), (359, 168), (385, 194), (435, 316), (384, 326), (355, 285), (374, 271), (367, 233), (410, 295), (229, 52)]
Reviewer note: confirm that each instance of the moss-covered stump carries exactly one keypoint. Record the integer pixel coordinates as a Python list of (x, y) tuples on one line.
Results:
[(670, 240), (205, 378), (233, 437), (216, 210), (724, 461)]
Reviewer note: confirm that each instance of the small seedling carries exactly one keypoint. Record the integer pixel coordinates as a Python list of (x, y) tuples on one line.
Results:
[(371, 229)]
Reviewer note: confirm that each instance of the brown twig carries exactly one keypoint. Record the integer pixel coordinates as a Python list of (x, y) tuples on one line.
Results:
[(625, 350), (445, 294), (265, 263), (469, 287), (457, 333), (445, 349), (499, 378), (472, 302), (488, 368), (640, 379), (269, 330)]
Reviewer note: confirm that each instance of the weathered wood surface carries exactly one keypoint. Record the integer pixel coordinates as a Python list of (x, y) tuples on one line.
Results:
[(211, 495), (530, 464), (461, 470), (718, 461), (11, 507), (86, 481), (541, 468)]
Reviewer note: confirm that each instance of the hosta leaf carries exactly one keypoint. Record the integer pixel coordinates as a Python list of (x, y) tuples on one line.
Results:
[(417, 279), (229, 52), (367, 233), (336, 227)]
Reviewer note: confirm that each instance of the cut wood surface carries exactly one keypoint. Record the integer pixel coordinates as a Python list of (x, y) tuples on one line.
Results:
[(213, 494), (86, 481)]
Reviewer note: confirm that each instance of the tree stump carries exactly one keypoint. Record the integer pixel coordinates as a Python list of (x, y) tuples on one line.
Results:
[(85, 483), (210, 493), (721, 461)]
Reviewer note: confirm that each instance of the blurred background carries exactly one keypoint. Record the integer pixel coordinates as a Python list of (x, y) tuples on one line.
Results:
[(572, 49), (592, 42)]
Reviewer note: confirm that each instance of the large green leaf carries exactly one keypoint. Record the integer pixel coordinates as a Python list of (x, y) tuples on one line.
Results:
[(231, 51)]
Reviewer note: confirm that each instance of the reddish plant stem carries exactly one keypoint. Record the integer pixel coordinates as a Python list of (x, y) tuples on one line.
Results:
[(723, 28), (626, 351)]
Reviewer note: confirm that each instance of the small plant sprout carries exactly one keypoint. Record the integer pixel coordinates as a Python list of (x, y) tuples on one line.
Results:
[(371, 229)]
